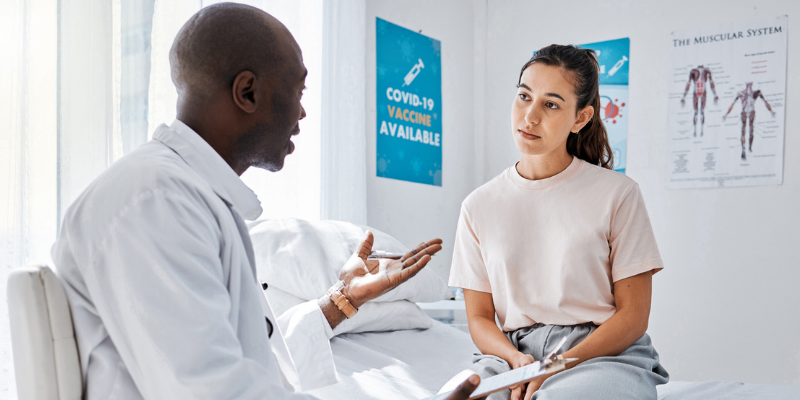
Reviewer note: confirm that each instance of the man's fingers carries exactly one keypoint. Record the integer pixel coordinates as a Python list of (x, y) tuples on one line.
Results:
[(366, 246), (408, 261), (465, 389), (409, 272), (428, 251), (413, 251), (421, 247)]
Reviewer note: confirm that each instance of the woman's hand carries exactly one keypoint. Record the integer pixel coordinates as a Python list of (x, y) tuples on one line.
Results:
[(530, 389), (365, 279), (519, 361)]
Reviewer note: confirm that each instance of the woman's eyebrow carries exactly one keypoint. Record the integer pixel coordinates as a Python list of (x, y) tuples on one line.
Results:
[(556, 95)]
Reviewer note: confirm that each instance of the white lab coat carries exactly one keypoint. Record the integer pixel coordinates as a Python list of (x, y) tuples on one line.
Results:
[(158, 267)]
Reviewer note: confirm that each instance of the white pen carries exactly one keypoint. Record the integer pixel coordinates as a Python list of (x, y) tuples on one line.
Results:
[(376, 254)]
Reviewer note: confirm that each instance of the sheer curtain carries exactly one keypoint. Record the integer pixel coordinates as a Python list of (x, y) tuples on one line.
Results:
[(82, 82), (28, 148), (89, 137), (343, 138)]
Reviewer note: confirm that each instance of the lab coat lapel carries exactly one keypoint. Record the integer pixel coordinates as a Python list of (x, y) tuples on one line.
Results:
[(199, 155), (204, 160), (279, 348)]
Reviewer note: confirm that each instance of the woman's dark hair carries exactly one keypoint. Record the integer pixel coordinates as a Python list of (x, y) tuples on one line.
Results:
[(591, 142)]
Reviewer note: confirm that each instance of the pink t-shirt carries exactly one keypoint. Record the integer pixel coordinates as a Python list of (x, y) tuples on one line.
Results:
[(549, 250)]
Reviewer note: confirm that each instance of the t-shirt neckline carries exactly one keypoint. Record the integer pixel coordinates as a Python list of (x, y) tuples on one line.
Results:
[(540, 184)]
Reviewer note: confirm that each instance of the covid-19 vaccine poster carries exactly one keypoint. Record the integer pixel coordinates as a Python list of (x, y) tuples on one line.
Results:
[(613, 57), (409, 105)]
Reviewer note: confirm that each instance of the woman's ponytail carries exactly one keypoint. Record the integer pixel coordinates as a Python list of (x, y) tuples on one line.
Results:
[(590, 143)]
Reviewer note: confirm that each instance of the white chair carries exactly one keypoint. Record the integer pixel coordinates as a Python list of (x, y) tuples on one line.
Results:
[(45, 352)]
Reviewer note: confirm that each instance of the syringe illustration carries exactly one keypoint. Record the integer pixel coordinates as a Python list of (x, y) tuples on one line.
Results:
[(413, 73), (617, 66)]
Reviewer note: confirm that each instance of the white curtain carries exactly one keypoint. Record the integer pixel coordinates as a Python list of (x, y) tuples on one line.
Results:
[(28, 148), (344, 164), (62, 123), (88, 94)]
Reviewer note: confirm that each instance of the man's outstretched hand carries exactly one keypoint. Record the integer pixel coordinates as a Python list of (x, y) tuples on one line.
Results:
[(366, 279)]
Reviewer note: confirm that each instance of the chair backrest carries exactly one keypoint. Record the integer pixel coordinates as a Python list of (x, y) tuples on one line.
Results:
[(46, 359)]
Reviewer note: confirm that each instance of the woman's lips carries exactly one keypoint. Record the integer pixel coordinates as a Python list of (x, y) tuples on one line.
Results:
[(525, 135)]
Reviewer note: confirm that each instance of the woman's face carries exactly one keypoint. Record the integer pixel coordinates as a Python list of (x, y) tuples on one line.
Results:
[(544, 111)]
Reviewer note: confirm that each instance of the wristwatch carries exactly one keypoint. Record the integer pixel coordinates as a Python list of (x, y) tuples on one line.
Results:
[(341, 300)]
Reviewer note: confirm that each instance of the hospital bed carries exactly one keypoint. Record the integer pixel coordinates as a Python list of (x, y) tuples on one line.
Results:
[(414, 364), (405, 363), (377, 359)]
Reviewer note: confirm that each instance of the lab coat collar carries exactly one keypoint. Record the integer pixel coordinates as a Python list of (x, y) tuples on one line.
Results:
[(196, 152)]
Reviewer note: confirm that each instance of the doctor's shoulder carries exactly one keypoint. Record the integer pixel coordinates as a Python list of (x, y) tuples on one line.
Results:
[(150, 170)]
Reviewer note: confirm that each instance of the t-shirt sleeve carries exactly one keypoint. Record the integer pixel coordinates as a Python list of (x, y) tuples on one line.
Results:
[(632, 242), (468, 270)]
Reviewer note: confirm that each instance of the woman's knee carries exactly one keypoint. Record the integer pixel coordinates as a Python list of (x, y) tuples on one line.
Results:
[(488, 365)]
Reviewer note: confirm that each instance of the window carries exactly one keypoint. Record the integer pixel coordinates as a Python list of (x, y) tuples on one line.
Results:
[(81, 84)]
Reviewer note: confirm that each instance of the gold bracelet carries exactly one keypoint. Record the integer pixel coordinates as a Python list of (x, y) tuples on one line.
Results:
[(341, 300)]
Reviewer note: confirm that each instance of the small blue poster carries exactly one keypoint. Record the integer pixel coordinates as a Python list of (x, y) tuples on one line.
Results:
[(409, 105), (614, 58)]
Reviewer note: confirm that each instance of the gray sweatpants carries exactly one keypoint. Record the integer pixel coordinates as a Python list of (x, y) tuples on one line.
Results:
[(633, 374)]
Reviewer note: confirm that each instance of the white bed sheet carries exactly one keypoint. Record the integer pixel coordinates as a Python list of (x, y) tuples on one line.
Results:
[(414, 364), (726, 390), (409, 364)]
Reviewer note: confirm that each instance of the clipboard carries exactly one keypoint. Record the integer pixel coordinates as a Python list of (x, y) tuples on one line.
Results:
[(550, 364)]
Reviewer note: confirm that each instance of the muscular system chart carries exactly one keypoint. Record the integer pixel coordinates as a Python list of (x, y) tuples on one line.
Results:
[(726, 105)]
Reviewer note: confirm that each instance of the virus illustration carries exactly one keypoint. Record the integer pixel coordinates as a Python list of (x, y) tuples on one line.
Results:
[(611, 109), (416, 166), (407, 49)]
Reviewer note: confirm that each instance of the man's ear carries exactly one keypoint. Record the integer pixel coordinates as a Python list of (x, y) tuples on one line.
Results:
[(245, 91), (584, 116)]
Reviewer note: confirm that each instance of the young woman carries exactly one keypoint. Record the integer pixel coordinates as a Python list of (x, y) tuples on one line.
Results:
[(559, 245)]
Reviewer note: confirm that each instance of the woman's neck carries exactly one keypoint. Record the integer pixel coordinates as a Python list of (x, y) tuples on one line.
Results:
[(543, 166)]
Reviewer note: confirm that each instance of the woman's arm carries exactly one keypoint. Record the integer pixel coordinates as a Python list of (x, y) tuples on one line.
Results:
[(627, 325), (485, 333)]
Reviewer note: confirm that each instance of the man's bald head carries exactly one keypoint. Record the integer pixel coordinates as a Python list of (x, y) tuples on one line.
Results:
[(240, 80), (223, 40)]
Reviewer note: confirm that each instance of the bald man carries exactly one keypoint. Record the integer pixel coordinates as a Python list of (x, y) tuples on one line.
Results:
[(155, 255)]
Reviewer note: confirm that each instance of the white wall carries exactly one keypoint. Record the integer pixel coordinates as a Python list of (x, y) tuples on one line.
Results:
[(726, 307), (728, 290), (415, 212)]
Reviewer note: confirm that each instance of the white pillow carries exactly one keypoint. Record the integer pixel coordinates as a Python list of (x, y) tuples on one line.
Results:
[(303, 258), (371, 317)]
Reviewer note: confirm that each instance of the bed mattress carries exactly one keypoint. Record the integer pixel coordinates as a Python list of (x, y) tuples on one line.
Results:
[(414, 364)]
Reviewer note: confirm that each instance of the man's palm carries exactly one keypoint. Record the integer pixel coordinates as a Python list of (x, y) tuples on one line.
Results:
[(367, 279)]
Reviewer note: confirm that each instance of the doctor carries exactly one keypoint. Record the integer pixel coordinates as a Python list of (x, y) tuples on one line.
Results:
[(155, 255)]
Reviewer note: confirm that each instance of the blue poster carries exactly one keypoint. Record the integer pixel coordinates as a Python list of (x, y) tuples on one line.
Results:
[(409, 105), (614, 58)]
